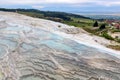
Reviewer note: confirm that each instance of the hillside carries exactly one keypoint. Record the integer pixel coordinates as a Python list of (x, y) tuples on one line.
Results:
[(45, 14), (74, 20), (67, 18), (38, 49)]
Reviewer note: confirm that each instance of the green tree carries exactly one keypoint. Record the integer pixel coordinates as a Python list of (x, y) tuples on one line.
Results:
[(102, 27), (95, 24)]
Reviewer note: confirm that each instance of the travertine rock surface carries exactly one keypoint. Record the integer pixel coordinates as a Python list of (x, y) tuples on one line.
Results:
[(32, 53)]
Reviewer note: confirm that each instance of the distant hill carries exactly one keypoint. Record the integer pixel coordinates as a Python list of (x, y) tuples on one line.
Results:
[(110, 17), (56, 16)]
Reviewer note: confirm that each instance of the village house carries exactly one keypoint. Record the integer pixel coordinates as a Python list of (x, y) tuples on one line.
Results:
[(113, 23)]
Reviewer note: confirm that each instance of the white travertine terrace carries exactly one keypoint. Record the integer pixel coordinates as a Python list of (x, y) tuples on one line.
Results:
[(30, 50)]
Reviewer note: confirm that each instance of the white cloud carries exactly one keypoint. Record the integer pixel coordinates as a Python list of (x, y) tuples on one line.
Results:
[(42, 1), (107, 3), (29, 2)]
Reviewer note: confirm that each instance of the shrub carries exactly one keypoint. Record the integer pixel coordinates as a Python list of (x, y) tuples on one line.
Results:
[(116, 47), (102, 27), (107, 36), (118, 40)]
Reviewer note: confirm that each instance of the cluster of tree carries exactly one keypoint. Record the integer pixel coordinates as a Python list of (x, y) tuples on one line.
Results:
[(103, 26)]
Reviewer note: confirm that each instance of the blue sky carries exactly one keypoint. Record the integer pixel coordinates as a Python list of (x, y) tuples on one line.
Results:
[(65, 5)]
